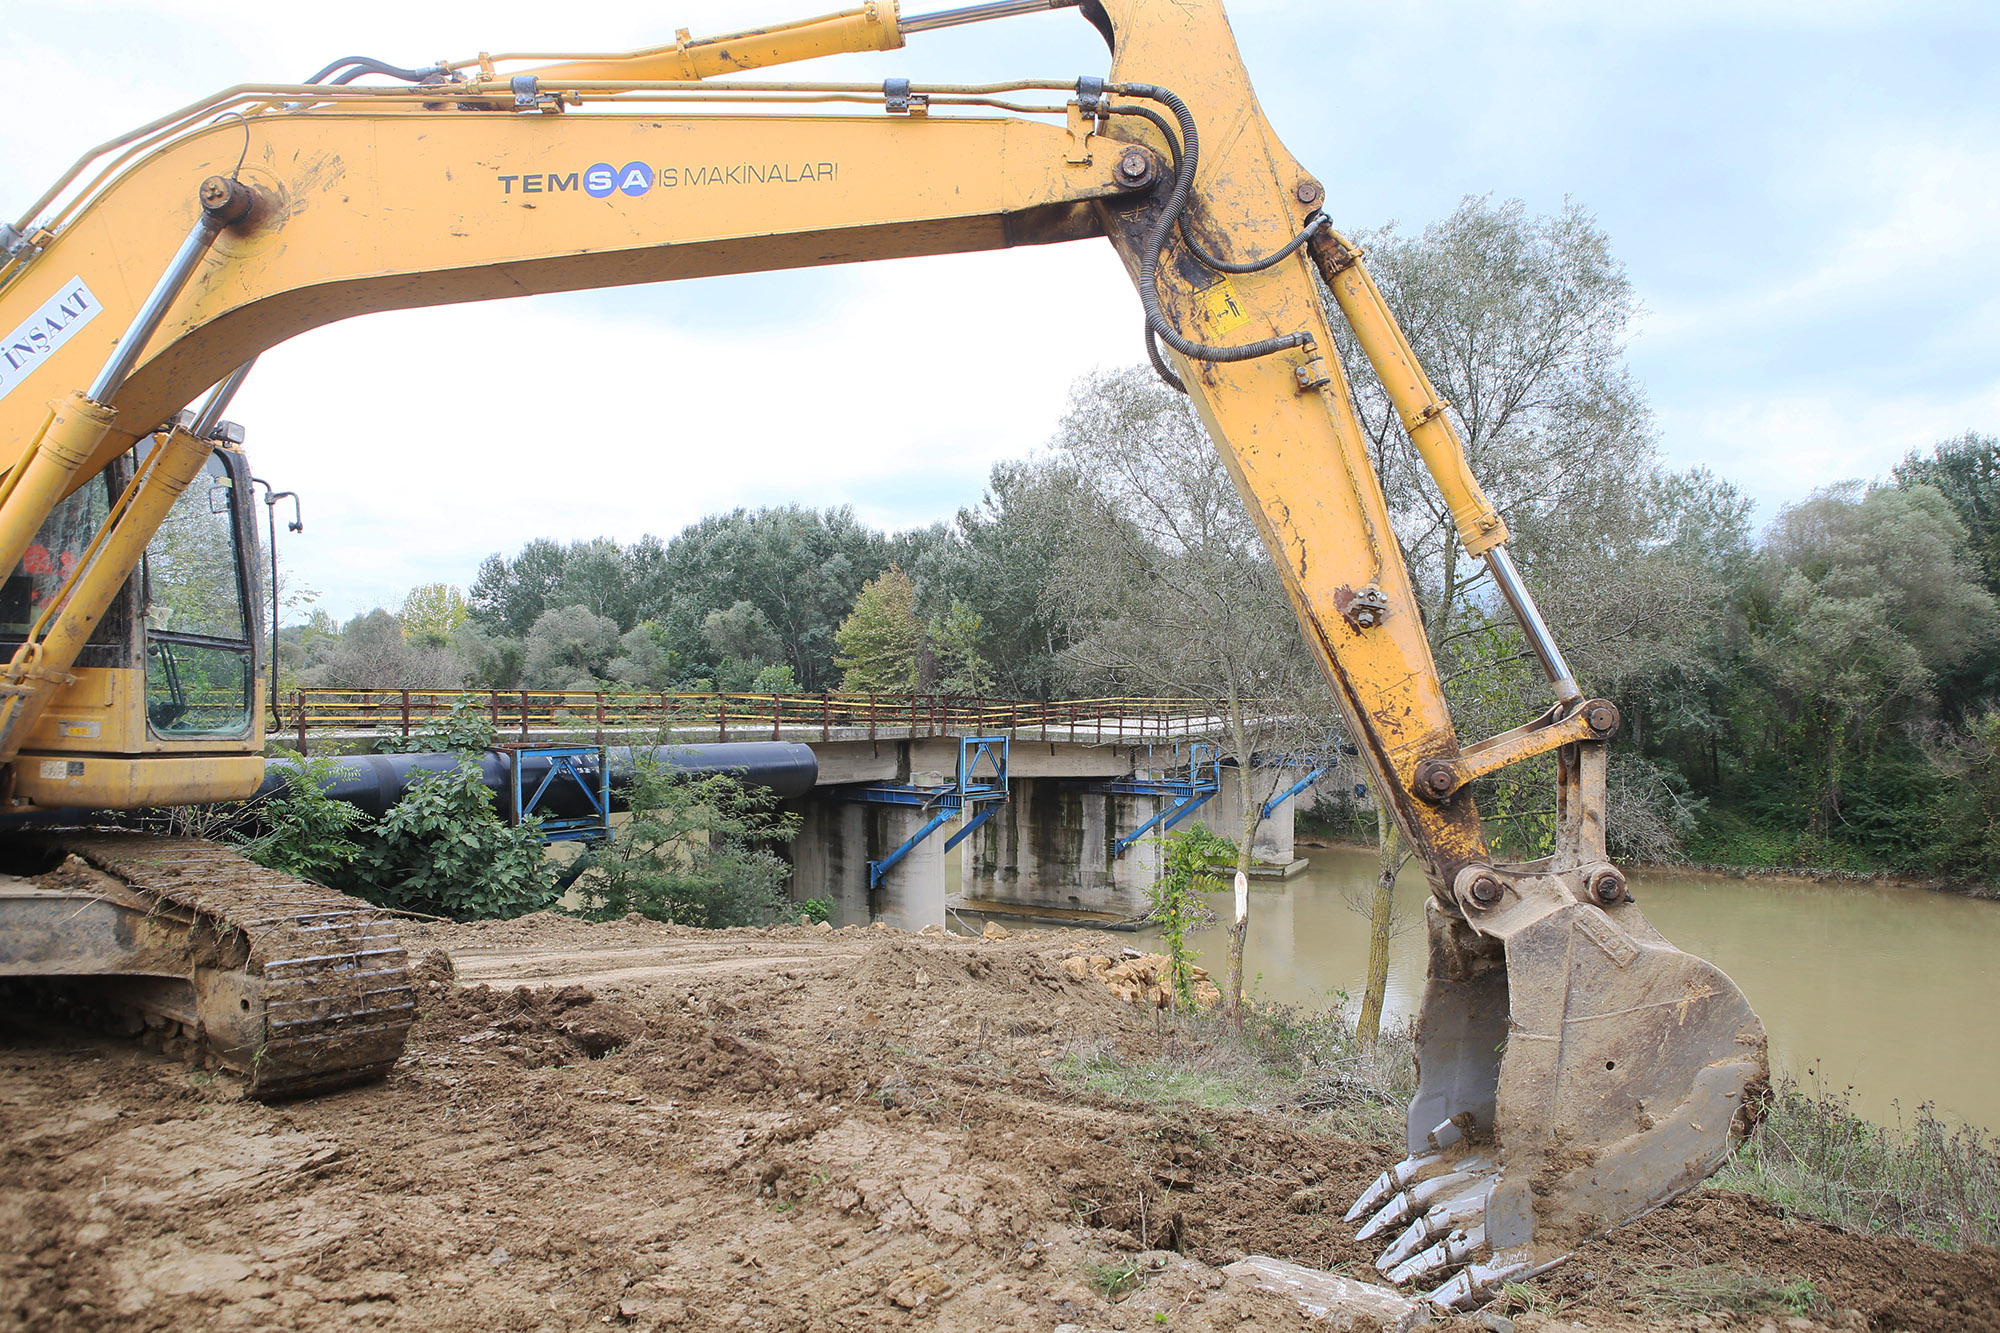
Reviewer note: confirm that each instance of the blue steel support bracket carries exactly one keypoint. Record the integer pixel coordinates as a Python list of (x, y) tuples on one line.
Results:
[(1203, 781), (1293, 790), (971, 789)]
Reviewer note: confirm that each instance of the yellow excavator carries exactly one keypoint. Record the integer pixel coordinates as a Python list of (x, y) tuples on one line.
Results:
[(1576, 1070)]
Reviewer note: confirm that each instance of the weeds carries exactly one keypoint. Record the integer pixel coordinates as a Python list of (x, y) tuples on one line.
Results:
[(1813, 1156), (1716, 1289), (1113, 1279), (1285, 1061)]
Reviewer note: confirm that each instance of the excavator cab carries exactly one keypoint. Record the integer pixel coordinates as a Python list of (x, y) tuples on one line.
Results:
[(173, 669)]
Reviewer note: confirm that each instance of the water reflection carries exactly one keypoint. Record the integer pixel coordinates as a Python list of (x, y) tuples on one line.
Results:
[(1890, 990)]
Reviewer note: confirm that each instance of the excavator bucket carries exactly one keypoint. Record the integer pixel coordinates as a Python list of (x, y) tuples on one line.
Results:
[(1576, 1071)]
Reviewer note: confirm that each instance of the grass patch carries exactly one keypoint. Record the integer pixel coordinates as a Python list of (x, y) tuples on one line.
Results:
[(1812, 1155), (1114, 1279), (1717, 1289), (1285, 1061)]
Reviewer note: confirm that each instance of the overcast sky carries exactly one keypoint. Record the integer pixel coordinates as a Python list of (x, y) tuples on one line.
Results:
[(1806, 194)]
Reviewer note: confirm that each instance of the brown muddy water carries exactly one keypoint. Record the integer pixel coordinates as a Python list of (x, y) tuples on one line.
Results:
[(1888, 990)]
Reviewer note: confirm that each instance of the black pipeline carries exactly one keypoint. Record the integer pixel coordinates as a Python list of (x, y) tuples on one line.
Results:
[(374, 782)]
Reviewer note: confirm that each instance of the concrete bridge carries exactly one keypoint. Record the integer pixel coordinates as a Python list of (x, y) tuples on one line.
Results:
[(1053, 808)]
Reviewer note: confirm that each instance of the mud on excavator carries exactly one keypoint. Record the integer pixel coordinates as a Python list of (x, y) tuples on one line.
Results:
[(1576, 1070)]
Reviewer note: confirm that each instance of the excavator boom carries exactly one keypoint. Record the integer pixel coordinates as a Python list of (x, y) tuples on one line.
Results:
[(1576, 1069)]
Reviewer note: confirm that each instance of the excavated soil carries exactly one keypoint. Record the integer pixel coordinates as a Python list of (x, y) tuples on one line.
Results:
[(639, 1126)]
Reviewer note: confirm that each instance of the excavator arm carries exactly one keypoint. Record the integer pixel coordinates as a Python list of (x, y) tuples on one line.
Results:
[(1576, 1069)]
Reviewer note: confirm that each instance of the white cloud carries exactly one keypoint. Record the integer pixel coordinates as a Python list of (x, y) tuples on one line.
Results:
[(552, 422)]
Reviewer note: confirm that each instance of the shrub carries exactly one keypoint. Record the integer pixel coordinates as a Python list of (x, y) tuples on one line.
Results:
[(305, 831), (444, 850), (692, 852)]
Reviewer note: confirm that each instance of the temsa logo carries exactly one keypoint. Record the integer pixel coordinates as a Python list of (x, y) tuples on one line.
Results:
[(603, 180)]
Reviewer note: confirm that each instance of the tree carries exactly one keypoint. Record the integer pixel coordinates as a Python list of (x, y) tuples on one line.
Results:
[(953, 639), (644, 660), (744, 643), (569, 648), (1966, 471), (799, 568), (1391, 852), (372, 653), (997, 560), (879, 640), (508, 596), (432, 614), (1866, 597), (1167, 588), (695, 851)]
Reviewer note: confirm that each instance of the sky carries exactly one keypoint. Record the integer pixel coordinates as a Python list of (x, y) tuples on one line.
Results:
[(1805, 193)]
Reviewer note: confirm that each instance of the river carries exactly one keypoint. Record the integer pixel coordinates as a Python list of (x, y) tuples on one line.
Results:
[(1889, 990)]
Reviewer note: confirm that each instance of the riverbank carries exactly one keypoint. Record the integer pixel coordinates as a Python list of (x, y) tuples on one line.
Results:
[(1802, 874), (633, 1125)]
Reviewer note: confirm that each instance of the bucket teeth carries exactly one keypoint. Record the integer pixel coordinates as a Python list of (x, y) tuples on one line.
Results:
[(1455, 1249), (1405, 1172), (1477, 1281), (1419, 1197), (1442, 1219)]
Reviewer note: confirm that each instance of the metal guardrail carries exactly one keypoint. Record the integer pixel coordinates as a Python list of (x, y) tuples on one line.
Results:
[(328, 713)]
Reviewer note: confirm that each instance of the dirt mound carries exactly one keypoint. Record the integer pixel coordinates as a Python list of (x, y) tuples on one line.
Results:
[(792, 1129)]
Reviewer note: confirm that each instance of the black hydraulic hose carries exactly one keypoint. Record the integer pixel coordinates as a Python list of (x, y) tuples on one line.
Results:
[(1313, 222), (1149, 258), (1290, 248), (367, 65), (1160, 366)]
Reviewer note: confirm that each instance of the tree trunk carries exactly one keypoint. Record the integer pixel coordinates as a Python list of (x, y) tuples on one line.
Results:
[(1389, 845), (1241, 742), (1236, 934)]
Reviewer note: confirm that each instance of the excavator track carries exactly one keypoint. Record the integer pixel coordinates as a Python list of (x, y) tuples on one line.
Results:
[(296, 987)]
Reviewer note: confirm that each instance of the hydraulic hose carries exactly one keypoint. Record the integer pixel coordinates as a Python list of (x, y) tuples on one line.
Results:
[(1170, 215), (1313, 223), (367, 65)]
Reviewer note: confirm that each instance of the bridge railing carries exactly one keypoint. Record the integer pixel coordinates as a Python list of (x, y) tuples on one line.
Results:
[(301, 715)]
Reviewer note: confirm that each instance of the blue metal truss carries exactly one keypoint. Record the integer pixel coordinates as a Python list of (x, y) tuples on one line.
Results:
[(566, 761), (978, 791), (1187, 794)]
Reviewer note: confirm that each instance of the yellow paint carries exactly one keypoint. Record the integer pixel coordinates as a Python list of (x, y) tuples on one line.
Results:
[(96, 782), (378, 204)]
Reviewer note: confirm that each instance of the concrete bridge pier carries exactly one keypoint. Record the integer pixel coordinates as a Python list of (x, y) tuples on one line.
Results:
[(836, 841), (1224, 812), (1052, 846)]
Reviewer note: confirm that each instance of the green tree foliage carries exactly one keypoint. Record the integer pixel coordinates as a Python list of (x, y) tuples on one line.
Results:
[(881, 637), (372, 652), (695, 851), (1187, 871), (954, 639), (1863, 600), (433, 613), (800, 569), (304, 831), (644, 660), (1966, 471), (444, 850), (569, 648), (509, 596)]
